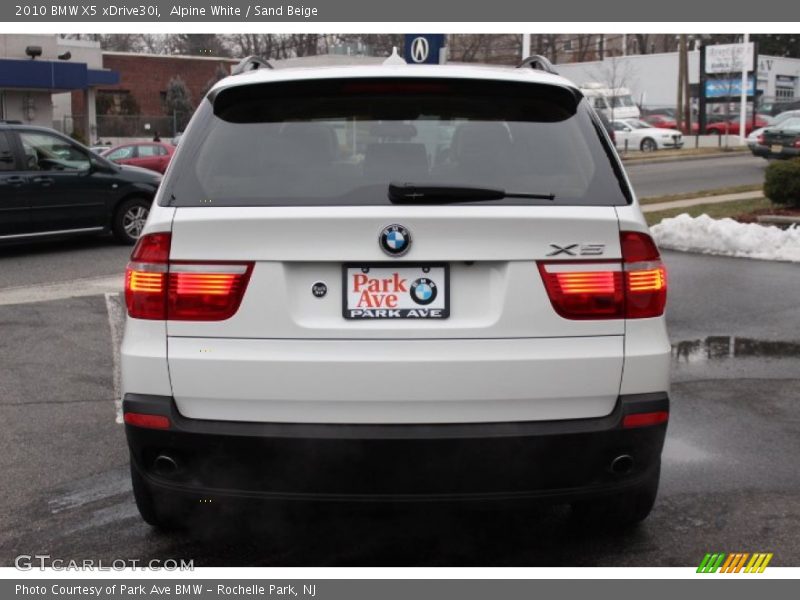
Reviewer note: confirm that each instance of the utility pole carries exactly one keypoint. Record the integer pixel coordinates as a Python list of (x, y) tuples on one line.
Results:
[(681, 79), (743, 106), (687, 92)]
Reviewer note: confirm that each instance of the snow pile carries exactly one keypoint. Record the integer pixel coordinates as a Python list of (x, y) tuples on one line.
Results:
[(728, 237)]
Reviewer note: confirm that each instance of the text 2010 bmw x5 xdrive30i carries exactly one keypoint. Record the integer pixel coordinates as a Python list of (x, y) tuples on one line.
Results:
[(396, 283)]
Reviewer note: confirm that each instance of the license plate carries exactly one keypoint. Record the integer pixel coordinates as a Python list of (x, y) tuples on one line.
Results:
[(776, 148), (408, 291)]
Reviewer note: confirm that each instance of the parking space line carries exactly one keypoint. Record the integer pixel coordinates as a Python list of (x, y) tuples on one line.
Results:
[(116, 324), (58, 291)]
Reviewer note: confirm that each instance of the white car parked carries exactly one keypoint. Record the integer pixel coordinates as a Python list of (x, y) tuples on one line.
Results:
[(633, 134), (395, 283)]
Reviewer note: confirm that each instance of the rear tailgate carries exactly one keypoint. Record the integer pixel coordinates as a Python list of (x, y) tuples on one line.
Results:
[(503, 354), (290, 175)]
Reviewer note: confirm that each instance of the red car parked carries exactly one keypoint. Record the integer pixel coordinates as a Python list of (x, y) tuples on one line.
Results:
[(662, 121), (732, 125), (149, 155)]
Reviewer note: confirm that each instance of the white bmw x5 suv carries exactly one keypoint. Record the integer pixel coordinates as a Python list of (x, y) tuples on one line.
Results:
[(396, 283)]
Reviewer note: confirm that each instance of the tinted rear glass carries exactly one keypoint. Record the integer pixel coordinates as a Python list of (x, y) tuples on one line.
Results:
[(342, 142)]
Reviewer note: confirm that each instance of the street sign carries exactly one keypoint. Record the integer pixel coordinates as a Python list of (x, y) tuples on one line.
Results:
[(729, 58), (423, 48)]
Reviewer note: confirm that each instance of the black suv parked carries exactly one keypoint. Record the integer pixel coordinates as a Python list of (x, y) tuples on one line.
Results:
[(50, 185)]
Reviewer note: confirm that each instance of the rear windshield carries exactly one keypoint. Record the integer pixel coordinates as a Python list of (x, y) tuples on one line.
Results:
[(342, 142)]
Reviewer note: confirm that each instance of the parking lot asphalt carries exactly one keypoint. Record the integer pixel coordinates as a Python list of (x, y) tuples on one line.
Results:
[(730, 480)]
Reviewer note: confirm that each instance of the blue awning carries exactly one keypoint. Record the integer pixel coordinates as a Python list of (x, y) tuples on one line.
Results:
[(52, 75)]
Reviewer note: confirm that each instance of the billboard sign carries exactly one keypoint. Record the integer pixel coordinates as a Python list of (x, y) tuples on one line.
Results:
[(729, 58)]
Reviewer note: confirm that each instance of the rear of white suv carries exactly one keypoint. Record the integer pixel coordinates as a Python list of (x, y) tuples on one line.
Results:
[(396, 283)]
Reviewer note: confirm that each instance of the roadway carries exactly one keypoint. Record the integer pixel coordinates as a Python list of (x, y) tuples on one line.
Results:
[(685, 176)]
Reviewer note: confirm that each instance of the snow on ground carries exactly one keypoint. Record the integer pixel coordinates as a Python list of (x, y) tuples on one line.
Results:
[(727, 237)]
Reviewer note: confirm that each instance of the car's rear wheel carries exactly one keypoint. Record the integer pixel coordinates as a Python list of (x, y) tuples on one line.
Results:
[(648, 145), (129, 219), (623, 510)]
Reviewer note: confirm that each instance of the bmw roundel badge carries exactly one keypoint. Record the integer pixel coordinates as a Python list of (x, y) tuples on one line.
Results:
[(423, 291), (395, 240)]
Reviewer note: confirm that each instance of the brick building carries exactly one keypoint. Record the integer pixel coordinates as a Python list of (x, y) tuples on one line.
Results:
[(143, 80)]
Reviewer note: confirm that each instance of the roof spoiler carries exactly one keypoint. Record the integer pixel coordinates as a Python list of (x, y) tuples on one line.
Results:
[(538, 62), (251, 63)]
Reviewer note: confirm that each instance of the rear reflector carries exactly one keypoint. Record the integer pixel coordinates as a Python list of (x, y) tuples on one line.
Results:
[(633, 288), (645, 419), (160, 289), (147, 421)]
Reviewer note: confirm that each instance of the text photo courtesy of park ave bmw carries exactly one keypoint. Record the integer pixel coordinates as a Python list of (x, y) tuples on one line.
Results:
[(298, 290)]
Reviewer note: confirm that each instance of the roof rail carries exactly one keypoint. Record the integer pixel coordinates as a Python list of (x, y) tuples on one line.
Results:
[(536, 61), (251, 63)]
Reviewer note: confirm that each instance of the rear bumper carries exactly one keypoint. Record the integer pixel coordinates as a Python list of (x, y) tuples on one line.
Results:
[(766, 152), (556, 460)]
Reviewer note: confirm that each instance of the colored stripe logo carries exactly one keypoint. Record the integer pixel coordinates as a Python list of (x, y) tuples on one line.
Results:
[(736, 562)]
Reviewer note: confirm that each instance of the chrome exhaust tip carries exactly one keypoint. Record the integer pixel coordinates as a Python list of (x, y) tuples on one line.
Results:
[(165, 465), (622, 465)]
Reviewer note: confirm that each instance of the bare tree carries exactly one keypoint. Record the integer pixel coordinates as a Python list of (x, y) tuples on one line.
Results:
[(378, 44), (117, 42), (642, 42), (585, 45), (305, 44), (265, 45), (468, 47), (614, 74), (199, 44)]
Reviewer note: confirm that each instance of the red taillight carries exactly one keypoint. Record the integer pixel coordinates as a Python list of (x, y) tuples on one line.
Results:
[(584, 290), (761, 140), (634, 288), (644, 419), (205, 292), (796, 143), (645, 276), (147, 421), (156, 288)]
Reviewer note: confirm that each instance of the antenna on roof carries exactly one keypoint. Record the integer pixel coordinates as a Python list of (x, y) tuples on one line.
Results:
[(394, 58), (251, 63), (538, 62)]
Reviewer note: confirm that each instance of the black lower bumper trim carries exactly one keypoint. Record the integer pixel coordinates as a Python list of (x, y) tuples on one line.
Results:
[(396, 462)]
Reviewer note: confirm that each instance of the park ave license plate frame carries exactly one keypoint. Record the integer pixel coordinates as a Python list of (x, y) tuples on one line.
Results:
[(395, 291)]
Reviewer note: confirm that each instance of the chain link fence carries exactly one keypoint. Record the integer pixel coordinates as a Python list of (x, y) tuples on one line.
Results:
[(124, 126)]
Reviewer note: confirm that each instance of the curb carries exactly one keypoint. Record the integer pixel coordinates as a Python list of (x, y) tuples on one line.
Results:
[(628, 162), (689, 202)]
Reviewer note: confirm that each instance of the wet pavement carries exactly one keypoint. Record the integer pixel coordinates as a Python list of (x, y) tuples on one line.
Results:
[(730, 480)]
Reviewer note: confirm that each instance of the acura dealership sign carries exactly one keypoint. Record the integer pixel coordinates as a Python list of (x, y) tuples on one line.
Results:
[(423, 49)]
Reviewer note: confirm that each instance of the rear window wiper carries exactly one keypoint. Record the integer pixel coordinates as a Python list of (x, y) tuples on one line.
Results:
[(421, 193)]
